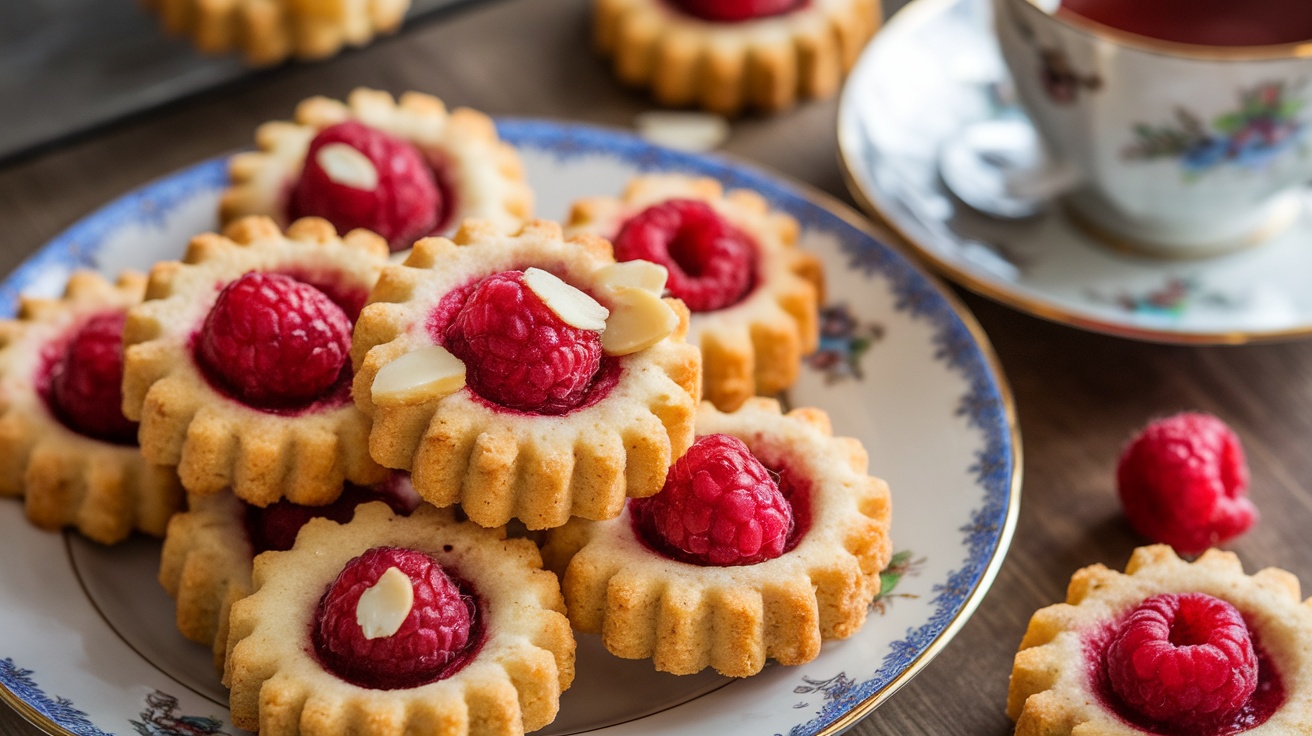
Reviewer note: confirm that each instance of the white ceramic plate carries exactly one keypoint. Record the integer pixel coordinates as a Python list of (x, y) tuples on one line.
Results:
[(936, 69), (87, 641)]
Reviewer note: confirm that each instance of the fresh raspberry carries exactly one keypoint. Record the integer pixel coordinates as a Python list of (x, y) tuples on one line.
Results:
[(273, 341), (1185, 660), (732, 11), (719, 506), (406, 205), (275, 527), (712, 264), (1184, 481), (86, 382), (517, 352), (429, 641)]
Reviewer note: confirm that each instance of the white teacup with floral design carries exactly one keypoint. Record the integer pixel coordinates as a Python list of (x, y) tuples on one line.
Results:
[(1180, 149)]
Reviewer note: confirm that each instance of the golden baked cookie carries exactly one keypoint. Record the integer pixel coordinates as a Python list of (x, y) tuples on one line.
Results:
[(64, 444), (687, 613), (492, 399), (237, 365), (205, 565), (1191, 622), (752, 331), (691, 54), (305, 661), (404, 169), (268, 32)]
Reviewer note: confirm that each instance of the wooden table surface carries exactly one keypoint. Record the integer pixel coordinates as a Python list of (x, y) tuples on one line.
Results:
[(1079, 395)]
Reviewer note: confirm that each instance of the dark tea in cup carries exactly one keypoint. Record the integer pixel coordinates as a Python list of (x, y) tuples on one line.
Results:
[(1203, 22)]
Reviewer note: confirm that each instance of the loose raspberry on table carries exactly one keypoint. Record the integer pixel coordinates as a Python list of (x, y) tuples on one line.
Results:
[(86, 382), (1184, 660), (406, 204), (274, 342), (427, 647), (719, 506), (520, 354), (730, 11), (275, 527), (712, 264), (1184, 482)]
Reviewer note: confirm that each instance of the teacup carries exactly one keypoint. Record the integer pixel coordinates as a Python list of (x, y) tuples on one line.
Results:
[(1181, 149)]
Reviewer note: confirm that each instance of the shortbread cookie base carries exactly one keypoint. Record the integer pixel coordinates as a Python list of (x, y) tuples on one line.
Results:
[(104, 490), (512, 685), (1050, 693), (485, 172), (205, 567), (688, 617), (766, 64), (215, 441), (755, 346), (269, 32), (498, 464)]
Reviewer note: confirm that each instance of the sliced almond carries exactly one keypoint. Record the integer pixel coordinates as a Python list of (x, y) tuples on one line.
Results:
[(636, 274), (384, 607), (425, 374), (347, 166), (638, 320), (574, 307)]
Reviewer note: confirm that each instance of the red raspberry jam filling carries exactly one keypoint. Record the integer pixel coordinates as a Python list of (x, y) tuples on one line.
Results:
[(518, 353), (441, 633), (1184, 481), (1184, 664), (407, 201), (275, 527), (712, 264), (275, 344), (81, 380), (719, 507), (734, 11)]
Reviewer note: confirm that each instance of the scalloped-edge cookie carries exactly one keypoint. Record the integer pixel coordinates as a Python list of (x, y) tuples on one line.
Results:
[(1051, 691), (205, 567), (688, 617), (484, 173), (68, 479), (511, 685), (765, 64), (269, 32), (756, 345), (501, 464), (217, 441)]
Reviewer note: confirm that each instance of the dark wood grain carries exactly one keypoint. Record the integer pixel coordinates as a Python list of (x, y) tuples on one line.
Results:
[(1079, 395)]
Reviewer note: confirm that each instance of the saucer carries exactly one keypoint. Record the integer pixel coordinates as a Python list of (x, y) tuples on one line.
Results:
[(933, 73)]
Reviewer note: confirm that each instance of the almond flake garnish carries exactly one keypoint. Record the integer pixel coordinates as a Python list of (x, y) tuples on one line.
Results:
[(384, 607), (638, 320), (347, 166), (636, 274), (425, 374), (574, 307)]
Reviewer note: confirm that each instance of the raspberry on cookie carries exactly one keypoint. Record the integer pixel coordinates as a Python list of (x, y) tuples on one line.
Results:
[(754, 295), (768, 538), (525, 376), (205, 565), (65, 445), (1169, 647), (404, 169), (420, 623), (237, 367)]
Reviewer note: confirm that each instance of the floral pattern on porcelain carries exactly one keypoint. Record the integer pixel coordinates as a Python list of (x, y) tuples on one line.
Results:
[(843, 340), (1253, 136)]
